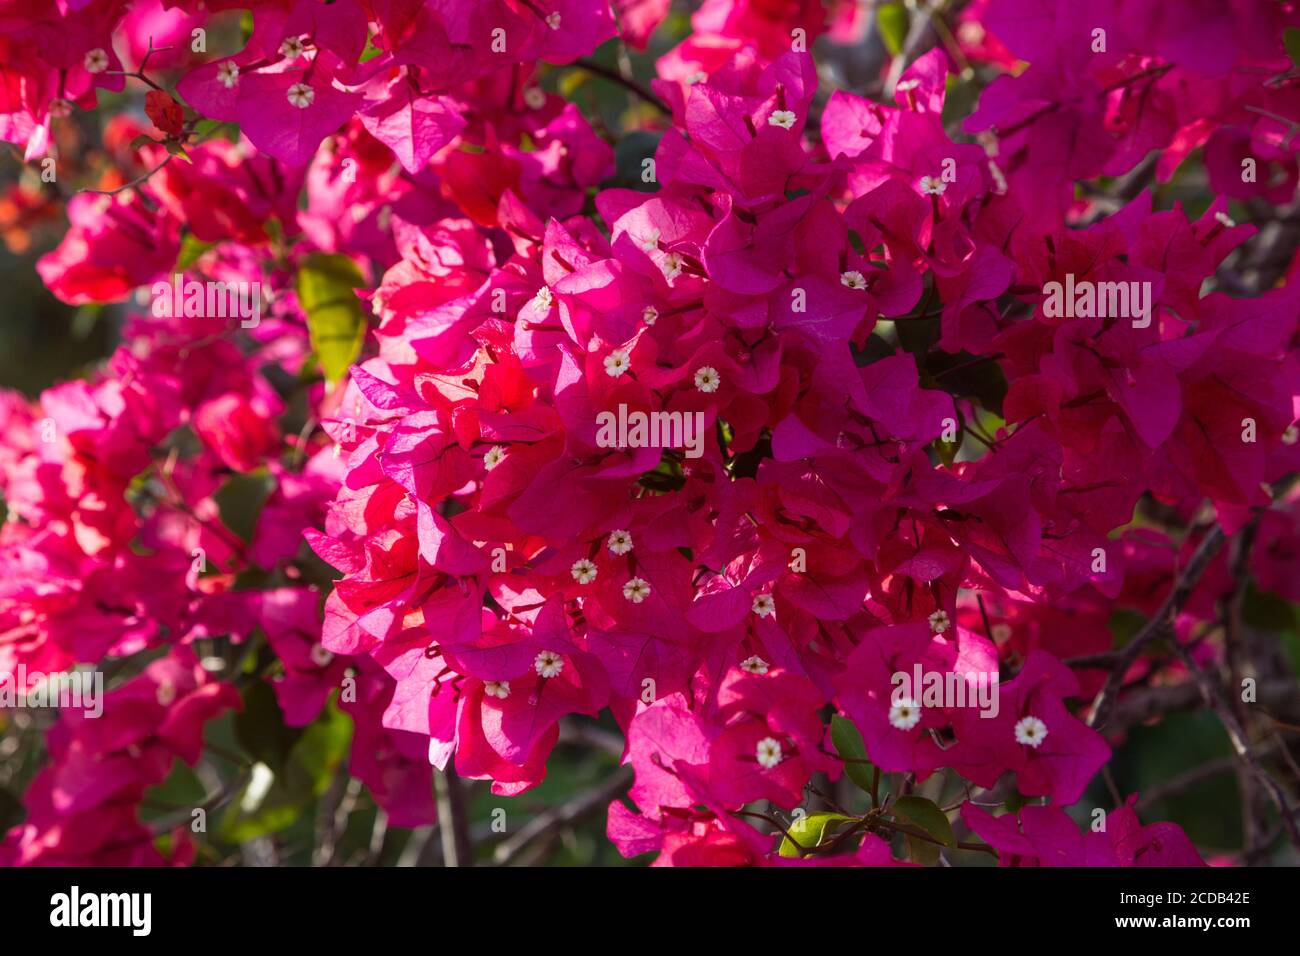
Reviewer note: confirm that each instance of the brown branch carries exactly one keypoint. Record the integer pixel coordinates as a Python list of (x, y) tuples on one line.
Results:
[(1234, 648), (1188, 779), (1240, 745), (627, 83), (131, 185), (1148, 703), (1160, 623), (509, 850), (453, 822)]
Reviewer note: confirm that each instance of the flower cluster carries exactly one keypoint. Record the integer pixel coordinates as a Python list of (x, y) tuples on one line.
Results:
[(925, 398)]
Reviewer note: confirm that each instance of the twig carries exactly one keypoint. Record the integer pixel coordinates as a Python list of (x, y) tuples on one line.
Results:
[(131, 185), (1188, 779), (1144, 704), (213, 801), (567, 813), (920, 37), (1233, 648), (327, 853), (453, 824), (1161, 622), (1237, 737), (922, 835), (626, 82), (575, 731)]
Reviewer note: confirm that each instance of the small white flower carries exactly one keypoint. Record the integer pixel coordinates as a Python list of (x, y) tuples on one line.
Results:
[(971, 32), (939, 621), (905, 714), (320, 656), (768, 752), (543, 299), (671, 266), (1224, 219), (763, 605), (535, 97), (650, 315), (1000, 633), (583, 571), (619, 542), (905, 85), (853, 279), (96, 61), (650, 242), (933, 186), (548, 664), (497, 688), (1030, 731), (617, 362), (228, 74), (495, 455), (782, 118), (553, 21), (636, 590), (1291, 435), (292, 48), (754, 665), (301, 95), (697, 77), (165, 694), (707, 379)]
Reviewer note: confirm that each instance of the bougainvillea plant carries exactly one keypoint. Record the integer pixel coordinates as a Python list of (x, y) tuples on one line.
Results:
[(756, 432)]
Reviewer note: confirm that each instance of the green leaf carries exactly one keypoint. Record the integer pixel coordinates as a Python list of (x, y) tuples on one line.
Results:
[(891, 19), (876, 348), (922, 851), (319, 752), (276, 810), (848, 743), (962, 374), (191, 248), (311, 764), (926, 815), (809, 830), (240, 499), (260, 728), (1291, 40), (334, 314)]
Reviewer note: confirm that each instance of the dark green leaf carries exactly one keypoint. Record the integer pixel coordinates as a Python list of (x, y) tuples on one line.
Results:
[(922, 851), (260, 727), (240, 499), (848, 743), (926, 815), (310, 766), (1291, 40)]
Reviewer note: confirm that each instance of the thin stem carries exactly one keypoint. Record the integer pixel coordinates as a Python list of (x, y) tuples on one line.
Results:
[(1161, 622), (453, 823), (627, 83)]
